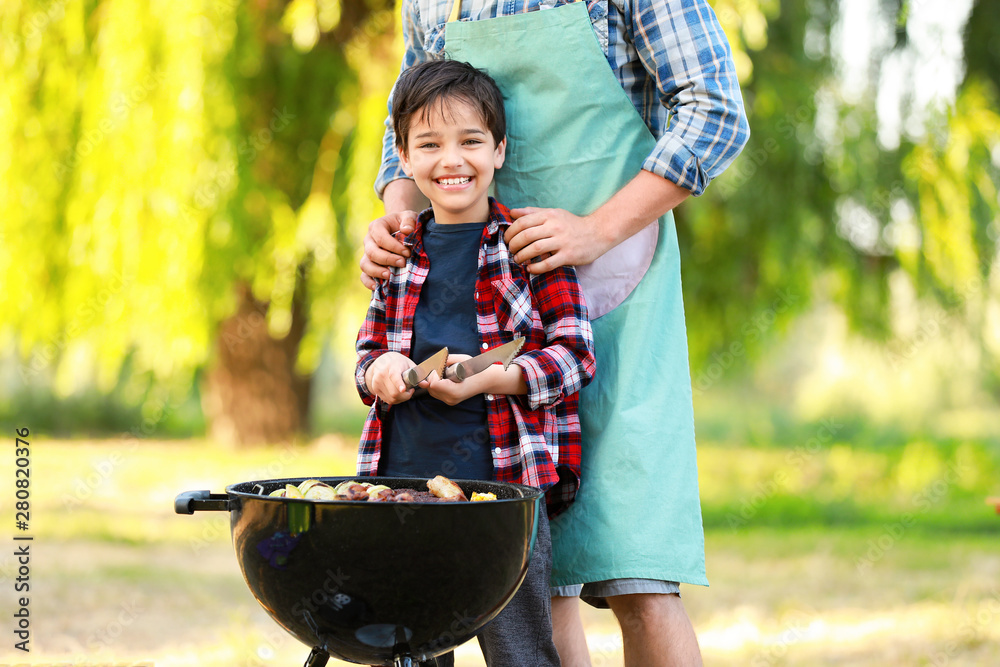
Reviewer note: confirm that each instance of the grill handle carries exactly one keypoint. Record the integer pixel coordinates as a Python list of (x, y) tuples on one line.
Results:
[(190, 502)]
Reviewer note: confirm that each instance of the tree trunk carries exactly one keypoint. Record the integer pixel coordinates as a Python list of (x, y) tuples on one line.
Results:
[(252, 393)]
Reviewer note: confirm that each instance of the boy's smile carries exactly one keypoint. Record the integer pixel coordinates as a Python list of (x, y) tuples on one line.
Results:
[(451, 155)]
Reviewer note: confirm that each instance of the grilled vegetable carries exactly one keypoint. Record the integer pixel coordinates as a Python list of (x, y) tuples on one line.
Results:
[(375, 490), (439, 489), (320, 491), (308, 484)]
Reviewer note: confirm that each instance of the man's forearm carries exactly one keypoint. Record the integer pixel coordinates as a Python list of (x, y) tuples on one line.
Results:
[(402, 194), (641, 201)]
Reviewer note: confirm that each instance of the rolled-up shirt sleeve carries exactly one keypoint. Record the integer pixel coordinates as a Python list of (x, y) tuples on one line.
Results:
[(682, 47), (371, 342), (566, 364)]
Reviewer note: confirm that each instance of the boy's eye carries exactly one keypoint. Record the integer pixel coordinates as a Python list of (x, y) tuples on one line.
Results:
[(473, 141), (427, 145)]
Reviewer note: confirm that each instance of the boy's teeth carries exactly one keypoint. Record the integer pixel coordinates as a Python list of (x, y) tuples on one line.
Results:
[(453, 181)]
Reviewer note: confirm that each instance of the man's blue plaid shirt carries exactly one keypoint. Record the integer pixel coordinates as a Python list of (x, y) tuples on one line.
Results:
[(670, 56)]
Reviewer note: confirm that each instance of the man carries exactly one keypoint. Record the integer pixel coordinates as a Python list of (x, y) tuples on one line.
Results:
[(607, 157)]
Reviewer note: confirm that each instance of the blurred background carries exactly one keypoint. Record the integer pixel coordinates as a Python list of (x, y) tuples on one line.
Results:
[(184, 187)]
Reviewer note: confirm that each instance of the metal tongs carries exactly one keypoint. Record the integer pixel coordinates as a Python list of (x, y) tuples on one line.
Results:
[(414, 376), (503, 354)]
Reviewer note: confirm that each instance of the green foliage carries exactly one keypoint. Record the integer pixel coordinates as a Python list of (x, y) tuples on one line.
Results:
[(761, 466), (154, 154), (122, 489), (822, 206)]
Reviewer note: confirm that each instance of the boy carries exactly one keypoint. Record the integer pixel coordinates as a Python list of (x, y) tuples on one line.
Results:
[(461, 288)]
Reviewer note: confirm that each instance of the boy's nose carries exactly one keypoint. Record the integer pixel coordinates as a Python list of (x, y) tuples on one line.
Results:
[(452, 156)]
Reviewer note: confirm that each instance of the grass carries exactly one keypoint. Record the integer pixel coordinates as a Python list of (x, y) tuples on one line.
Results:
[(819, 567)]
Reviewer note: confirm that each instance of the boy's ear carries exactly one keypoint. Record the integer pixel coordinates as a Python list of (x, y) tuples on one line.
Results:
[(404, 161), (500, 153)]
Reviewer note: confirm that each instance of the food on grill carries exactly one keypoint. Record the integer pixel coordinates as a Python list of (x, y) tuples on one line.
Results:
[(311, 489), (352, 491), (305, 486), (385, 495), (320, 492), (440, 490), (442, 487), (341, 489), (290, 491)]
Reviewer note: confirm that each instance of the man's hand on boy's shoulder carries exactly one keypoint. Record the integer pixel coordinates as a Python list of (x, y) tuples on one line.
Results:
[(546, 238), (384, 378), (383, 246)]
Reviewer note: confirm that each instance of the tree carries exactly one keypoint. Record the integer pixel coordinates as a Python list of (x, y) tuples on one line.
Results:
[(183, 186), (182, 177), (821, 202)]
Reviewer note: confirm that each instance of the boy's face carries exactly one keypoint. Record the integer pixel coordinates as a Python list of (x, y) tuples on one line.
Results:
[(451, 155)]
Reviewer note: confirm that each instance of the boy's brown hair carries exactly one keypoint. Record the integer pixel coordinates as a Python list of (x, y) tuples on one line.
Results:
[(438, 83)]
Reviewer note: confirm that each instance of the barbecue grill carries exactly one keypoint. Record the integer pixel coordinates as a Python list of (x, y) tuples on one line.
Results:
[(378, 583)]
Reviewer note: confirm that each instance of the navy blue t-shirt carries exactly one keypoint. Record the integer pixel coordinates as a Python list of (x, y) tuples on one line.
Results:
[(423, 436)]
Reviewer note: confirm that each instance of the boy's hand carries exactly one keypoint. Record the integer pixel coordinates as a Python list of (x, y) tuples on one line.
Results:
[(384, 378), (553, 237), (451, 392), (382, 248)]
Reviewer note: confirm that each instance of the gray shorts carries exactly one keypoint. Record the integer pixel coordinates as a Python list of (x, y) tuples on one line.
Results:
[(597, 593)]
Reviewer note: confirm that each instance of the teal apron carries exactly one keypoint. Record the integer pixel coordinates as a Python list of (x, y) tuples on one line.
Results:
[(574, 139)]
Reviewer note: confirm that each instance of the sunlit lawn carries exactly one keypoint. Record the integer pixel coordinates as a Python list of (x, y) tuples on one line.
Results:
[(865, 569)]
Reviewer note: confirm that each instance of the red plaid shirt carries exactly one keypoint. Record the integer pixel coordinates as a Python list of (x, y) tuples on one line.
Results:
[(535, 439)]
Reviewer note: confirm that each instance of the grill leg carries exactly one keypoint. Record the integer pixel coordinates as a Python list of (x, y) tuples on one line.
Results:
[(317, 658), (405, 661)]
